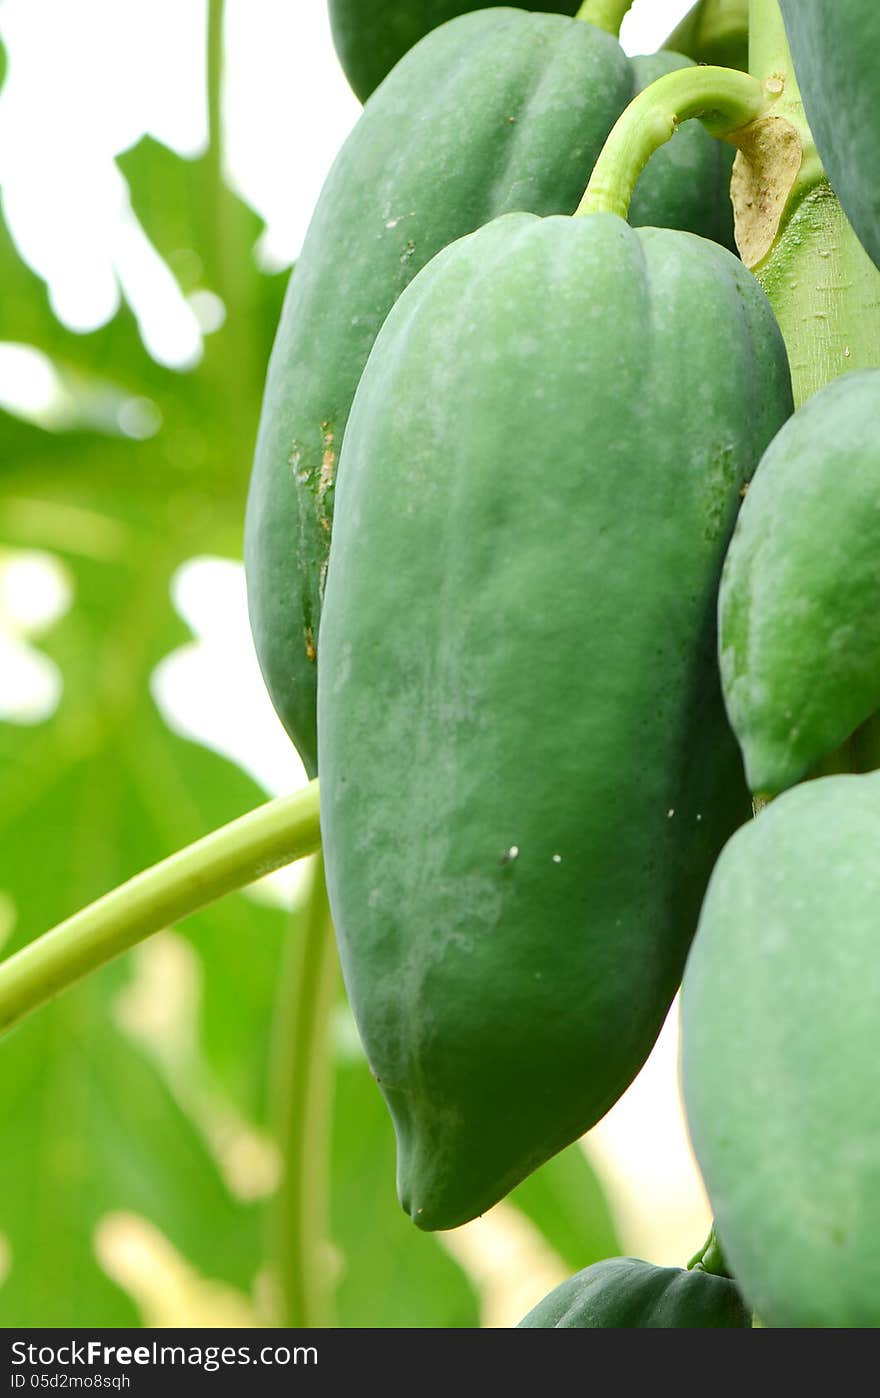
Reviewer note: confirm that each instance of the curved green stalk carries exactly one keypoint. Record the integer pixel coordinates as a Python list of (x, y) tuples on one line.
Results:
[(605, 14), (229, 858), (303, 1084), (726, 100), (710, 1257)]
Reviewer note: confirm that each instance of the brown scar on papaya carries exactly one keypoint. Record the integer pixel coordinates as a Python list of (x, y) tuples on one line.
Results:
[(328, 460), (310, 644), (768, 161), (327, 475)]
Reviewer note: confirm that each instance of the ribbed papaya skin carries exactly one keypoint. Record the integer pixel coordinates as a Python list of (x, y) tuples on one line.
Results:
[(526, 771)]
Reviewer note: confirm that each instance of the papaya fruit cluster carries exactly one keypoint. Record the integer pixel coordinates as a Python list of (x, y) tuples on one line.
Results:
[(510, 609)]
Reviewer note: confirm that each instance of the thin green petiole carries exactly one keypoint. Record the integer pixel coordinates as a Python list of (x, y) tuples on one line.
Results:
[(725, 99), (229, 858), (303, 1090), (605, 14)]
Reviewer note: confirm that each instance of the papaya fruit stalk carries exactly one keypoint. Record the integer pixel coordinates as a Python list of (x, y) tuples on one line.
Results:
[(727, 102), (605, 14)]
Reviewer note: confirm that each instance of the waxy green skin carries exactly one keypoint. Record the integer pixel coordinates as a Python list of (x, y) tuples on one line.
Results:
[(836, 49), (526, 768), (495, 112), (799, 605), (785, 1121), (625, 1293), (372, 35)]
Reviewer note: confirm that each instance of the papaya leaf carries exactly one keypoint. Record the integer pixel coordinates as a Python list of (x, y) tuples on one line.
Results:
[(103, 789)]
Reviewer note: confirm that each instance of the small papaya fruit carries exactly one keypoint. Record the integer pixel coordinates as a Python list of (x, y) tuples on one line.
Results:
[(526, 768), (495, 112), (372, 35), (799, 605), (625, 1293), (836, 49), (780, 1008)]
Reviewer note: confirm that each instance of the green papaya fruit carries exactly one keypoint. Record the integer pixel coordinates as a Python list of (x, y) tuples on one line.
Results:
[(799, 605), (781, 1003), (372, 35), (526, 768), (686, 183), (715, 32), (500, 110), (624, 1293), (836, 49), (495, 112)]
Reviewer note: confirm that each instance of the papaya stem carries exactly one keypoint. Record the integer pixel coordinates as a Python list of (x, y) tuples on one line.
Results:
[(303, 1086), (605, 14), (267, 838), (823, 287), (724, 99), (710, 1258)]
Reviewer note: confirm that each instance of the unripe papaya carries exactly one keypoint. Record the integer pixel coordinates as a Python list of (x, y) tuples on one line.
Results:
[(781, 1003), (625, 1293), (526, 768), (372, 35), (495, 112), (836, 49), (799, 605)]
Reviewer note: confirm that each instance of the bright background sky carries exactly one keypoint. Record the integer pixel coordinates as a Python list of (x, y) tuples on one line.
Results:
[(86, 80)]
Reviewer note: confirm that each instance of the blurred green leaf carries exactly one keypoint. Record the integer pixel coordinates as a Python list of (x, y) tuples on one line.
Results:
[(391, 1274), (104, 789), (566, 1202)]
